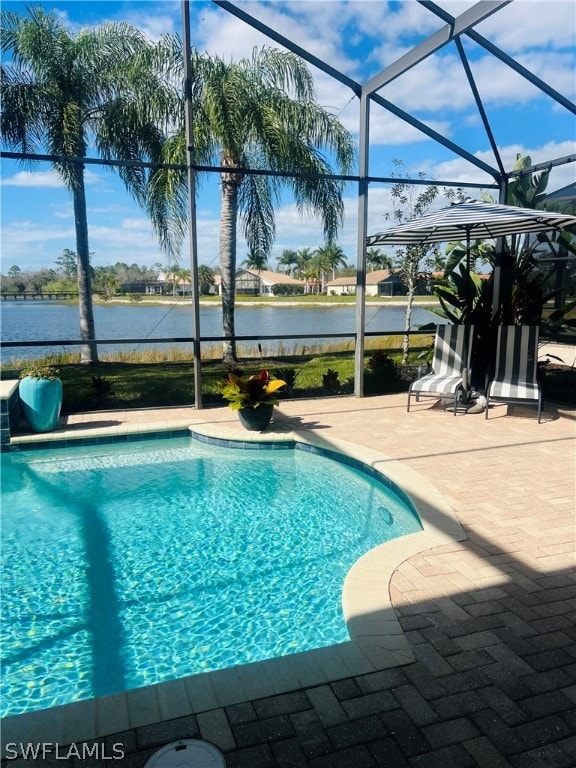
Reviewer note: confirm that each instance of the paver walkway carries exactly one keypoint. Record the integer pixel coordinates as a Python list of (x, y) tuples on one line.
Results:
[(491, 619)]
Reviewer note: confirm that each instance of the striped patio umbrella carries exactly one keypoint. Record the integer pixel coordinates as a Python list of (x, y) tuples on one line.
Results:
[(471, 219)]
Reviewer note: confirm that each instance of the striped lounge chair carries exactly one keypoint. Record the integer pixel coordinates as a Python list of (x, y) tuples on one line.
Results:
[(451, 355), (516, 376)]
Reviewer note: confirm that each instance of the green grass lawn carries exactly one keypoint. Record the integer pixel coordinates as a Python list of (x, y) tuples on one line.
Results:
[(150, 382)]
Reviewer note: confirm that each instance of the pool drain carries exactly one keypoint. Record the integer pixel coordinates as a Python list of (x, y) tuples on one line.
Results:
[(187, 753)]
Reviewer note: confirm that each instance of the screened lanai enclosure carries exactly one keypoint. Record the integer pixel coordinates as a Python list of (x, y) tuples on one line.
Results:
[(461, 47)]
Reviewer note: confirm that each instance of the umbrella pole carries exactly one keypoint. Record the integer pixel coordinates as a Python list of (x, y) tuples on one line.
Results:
[(467, 340)]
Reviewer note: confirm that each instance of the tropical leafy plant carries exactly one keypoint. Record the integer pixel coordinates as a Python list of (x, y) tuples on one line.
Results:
[(331, 380), (251, 392), (289, 376)]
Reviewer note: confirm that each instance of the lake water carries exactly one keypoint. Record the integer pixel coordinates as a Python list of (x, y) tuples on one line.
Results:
[(51, 321)]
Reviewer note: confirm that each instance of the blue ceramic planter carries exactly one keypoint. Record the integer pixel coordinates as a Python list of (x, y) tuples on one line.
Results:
[(256, 419), (41, 401)]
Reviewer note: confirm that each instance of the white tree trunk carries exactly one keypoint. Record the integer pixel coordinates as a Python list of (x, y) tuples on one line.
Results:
[(411, 277), (228, 263), (89, 350)]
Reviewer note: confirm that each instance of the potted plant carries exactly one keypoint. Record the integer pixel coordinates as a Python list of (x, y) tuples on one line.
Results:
[(40, 393), (254, 398)]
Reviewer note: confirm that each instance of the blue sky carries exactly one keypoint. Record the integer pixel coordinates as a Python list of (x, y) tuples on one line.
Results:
[(359, 38)]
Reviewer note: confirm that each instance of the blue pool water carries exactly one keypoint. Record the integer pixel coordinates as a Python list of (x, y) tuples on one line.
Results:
[(127, 565)]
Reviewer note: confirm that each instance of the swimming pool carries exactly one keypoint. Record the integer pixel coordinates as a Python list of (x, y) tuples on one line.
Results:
[(128, 565)]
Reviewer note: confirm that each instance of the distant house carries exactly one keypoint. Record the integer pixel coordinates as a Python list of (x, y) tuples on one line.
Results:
[(381, 282), (150, 287), (342, 286), (173, 284), (248, 283), (252, 282)]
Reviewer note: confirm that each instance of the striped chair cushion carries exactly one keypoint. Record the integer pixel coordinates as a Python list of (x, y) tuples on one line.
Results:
[(448, 360), (435, 383), (516, 364), (514, 391)]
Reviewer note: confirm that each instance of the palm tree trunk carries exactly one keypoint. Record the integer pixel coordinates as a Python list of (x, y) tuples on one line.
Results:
[(228, 263), (89, 350)]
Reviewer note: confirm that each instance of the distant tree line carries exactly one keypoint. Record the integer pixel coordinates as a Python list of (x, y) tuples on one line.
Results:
[(106, 281), (63, 276)]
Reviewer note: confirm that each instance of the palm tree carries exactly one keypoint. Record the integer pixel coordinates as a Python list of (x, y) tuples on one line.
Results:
[(377, 259), (321, 265), (305, 267), (260, 114), (437, 262), (255, 260), (64, 93), (177, 275), (288, 260), (333, 257), (205, 278)]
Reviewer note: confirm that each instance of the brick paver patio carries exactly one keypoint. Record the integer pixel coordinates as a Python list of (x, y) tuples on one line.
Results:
[(491, 619)]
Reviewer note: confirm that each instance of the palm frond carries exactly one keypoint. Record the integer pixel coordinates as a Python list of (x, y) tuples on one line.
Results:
[(255, 203)]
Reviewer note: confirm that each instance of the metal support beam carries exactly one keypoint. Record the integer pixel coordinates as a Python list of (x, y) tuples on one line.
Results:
[(503, 268), (363, 160), (191, 176), (427, 47), (435, 135), (495, 51), (480, 105), (249, 171), (290, 45)]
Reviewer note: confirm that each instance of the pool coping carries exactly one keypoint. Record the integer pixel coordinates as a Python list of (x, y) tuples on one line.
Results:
[(377, 641)]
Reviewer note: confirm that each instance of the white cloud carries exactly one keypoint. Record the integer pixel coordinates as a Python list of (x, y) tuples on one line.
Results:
[(294, 232), (439, 82), (156, 25), (44, 179), (28, 231), (532, 24), (386, 129), (378, 21), (459, 170)]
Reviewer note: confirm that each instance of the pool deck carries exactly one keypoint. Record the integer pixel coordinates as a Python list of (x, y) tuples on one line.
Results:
[(463, 648)]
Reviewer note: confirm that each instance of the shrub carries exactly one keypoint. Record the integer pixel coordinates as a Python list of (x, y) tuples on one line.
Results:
[(383, 374), (289, 376), (101, 387), (331, 381), (287, 290)]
